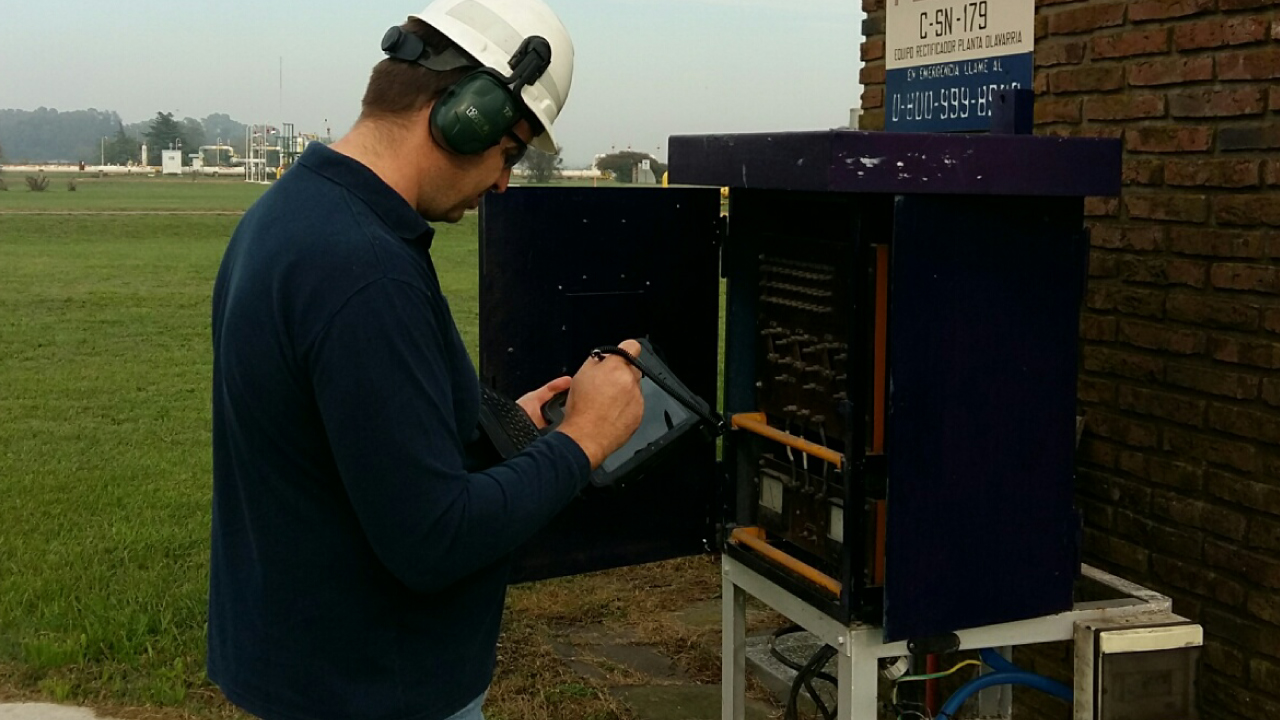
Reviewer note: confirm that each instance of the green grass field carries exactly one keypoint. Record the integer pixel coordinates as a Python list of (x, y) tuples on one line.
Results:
[(116, 194), (105, 465)]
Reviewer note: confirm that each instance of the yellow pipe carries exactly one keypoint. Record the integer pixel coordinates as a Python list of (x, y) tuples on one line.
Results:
[(754, 538), (756, 423)]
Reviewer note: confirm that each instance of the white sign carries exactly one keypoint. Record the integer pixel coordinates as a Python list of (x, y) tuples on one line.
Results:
[(945, 60), (924, 32)]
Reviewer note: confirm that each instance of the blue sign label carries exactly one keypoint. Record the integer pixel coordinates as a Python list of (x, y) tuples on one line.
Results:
[(951, 96)]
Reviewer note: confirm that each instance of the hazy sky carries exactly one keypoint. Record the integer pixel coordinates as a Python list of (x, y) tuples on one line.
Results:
[(646, 69)]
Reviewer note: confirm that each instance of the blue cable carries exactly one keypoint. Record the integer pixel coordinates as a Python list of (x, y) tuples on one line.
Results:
[(997, 662), (1006, 673)]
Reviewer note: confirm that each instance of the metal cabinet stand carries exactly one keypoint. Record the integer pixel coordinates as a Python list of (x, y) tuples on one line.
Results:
[(860, 647)]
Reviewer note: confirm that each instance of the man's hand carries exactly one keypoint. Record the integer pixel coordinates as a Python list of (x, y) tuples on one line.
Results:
[(605, 405), (532, 402)]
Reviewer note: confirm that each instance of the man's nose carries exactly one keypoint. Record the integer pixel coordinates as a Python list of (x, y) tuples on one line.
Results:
[(503, 181)]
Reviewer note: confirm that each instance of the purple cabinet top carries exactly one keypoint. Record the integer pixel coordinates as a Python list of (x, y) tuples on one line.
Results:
[(899, 163)]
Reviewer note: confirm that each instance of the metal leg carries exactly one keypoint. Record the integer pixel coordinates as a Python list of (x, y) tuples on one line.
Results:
[(733, 640), (857, 694), (997, 702)]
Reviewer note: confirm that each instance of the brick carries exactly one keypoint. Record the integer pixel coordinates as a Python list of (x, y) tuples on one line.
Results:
[(1159, 271), (1041, 82), (1265, 606), (871, 75), (1096, 451), (1271, 172), (1132, 462), (1128, 237), (1170, 71), (1271, 392), (1091, 390), (1086, 19), (871, 120), (1170, 473), (1125, 494), (1126, 44), (1150, 336), (1224, 658), (1101, 207), (1131, 301), (1224, 243), (1068, 52), (1042, 27), (1163, 9), (1249, 65), (1180, 542), (1120, 429), (1169, 406), (1271, 320), (1264, 426), (1102, 265), (1219, 31), (1257, 568), (1257, 209), (1240, 456), (1057, 111), (872, 5), (1143, 172), (1189, 512), (1261, 354), (873, 49), (1096, 514), (1216, 382), (1245, 4), (1258, 496), (1198, 580), (873, 97), (1171, 207), (1249, 137), (872, 26), (1209, 102), (1124, 107), (1169, 139), (1247, 634), (1241, 276), (1210, 312), (1264, 533), (1096, 328), (1275, 29), (1117, 551), (1214, 173), (1086, 79)]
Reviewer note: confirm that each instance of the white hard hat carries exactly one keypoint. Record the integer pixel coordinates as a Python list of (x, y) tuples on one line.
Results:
[(492, 30)]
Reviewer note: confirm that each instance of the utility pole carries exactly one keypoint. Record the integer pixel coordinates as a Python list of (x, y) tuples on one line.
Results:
[(102, 149)]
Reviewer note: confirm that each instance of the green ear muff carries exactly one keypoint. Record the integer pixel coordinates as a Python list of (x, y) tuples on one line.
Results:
[(475, 114)]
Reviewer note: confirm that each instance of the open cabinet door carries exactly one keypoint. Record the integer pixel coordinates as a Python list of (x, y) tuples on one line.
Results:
[(565, 270)]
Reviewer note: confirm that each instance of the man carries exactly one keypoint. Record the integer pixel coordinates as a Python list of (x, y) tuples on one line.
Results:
[(358, 563)]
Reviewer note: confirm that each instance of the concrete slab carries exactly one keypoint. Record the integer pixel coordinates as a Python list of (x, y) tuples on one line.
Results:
[(45, 711), (777, 677)]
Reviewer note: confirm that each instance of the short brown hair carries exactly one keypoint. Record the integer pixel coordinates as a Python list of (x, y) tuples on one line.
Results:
[(398, 88)]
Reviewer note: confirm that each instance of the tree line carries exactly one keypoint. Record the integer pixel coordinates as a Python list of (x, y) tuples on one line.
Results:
[(46, 135)]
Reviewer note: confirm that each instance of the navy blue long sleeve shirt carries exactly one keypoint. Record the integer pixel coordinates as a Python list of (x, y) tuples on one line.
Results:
[(358, 564)]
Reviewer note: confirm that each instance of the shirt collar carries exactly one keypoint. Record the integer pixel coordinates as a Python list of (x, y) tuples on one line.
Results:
[(365, 184)]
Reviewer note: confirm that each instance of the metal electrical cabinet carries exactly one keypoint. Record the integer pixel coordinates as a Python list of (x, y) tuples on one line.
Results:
[(899, 367)]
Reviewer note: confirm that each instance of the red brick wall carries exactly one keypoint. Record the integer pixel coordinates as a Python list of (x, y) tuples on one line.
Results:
[(1179, 474)]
